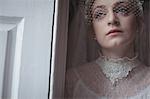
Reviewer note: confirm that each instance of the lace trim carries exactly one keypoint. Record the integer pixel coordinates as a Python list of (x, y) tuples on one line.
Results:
[(117, 69)]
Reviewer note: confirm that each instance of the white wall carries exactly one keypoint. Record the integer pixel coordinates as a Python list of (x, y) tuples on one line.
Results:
[(35, 67)]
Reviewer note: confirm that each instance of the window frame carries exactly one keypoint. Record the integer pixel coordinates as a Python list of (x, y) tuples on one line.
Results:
[(59, 49)]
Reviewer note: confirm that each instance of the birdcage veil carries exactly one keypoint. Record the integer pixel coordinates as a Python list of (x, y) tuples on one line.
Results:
[(88, 4), (82, 48)]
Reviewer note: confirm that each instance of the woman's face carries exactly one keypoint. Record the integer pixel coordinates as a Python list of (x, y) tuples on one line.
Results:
[(114, 23)]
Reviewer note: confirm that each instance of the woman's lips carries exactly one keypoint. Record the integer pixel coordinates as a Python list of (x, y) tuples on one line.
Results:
[(114, 32)]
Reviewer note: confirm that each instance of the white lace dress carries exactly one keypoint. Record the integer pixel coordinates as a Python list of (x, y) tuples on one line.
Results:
[(89, 82), (82, 92)]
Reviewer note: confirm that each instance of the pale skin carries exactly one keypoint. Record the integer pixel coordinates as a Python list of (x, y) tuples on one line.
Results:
[(116, 44)]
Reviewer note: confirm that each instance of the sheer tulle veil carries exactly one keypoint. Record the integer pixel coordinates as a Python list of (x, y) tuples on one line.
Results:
[(82, 48)]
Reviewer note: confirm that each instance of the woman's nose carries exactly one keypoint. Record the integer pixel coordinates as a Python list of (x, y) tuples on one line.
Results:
[(113, 19)]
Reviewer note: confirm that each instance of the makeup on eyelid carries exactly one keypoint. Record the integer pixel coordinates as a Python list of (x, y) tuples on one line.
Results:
[(119, 8)]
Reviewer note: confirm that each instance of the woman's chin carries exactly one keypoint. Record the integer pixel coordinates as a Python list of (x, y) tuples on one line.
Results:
[(114, 45)]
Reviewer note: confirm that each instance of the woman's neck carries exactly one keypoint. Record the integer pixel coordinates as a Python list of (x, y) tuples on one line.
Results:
[(119, 52)]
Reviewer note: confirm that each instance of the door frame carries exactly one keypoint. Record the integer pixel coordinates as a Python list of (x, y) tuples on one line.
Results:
[(13, 27)]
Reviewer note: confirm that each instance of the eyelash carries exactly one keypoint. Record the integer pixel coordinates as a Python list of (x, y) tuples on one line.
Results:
[(122, 10), (100, 13)]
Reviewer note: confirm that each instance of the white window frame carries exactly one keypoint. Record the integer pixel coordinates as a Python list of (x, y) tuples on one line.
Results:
[(59, 49)]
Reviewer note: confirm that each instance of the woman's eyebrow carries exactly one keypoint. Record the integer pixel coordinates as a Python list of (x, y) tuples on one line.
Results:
[(120, 2), (99, 6), (115, 4)]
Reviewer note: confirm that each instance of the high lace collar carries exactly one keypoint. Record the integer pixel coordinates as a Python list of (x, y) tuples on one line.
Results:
[(117, 69)]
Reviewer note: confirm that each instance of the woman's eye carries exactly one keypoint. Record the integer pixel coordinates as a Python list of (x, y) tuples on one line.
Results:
[(99, 14), (122, 10)]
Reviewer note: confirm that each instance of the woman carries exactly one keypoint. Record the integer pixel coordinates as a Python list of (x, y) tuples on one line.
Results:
[(117, 73)]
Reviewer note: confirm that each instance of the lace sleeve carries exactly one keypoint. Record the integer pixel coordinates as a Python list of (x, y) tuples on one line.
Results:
[(70, 83)]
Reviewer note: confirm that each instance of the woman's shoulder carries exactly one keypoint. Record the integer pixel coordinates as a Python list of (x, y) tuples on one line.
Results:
[(87, 70), (142, 73), (144, 79), (73, 76), (75, 71), (146, 72)]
